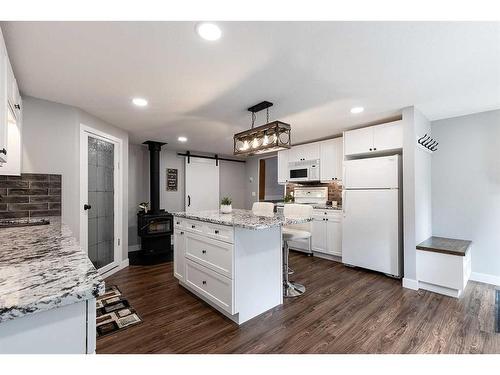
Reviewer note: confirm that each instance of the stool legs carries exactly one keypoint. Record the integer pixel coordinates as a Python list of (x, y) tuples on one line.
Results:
[(290, 289)]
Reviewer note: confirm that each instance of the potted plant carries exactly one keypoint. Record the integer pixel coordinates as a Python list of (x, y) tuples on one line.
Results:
[(288, 198), (225, 205)]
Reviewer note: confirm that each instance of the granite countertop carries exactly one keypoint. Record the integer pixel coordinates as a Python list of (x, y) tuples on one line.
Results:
[(444, 245), (316, 206), (243, 219), (326, 207), (43, 267)]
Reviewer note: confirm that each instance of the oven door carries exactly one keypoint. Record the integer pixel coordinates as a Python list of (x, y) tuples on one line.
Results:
[(299, 174)]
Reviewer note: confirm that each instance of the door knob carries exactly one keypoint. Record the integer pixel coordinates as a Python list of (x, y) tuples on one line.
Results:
[(87, 207)]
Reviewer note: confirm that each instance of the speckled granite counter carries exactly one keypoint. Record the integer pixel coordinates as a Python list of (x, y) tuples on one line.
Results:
[(243, 219), (317, 206), (43, 267), (327, 207)]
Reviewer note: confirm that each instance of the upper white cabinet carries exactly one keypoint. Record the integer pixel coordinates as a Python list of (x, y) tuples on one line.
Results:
[(283, 166), (330, 154), (10, 117), (3, 101), (309, 151), (331, 158), (376, 138)]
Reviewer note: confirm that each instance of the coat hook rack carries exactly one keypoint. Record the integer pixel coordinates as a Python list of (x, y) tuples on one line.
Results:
[(428, 143)]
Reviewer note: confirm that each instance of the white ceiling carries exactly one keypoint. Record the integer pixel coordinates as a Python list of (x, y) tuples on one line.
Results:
[(313, 72)]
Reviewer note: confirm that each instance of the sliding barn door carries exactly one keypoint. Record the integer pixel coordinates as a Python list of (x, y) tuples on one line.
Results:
[(202, 184)]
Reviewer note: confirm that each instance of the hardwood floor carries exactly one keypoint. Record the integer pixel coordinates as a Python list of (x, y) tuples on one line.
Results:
[(343, 311)]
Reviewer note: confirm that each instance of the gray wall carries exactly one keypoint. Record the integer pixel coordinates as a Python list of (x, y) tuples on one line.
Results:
[(232, 182), (273, 190), (51, 144), (466, 186), (251, 181), (138, 189)]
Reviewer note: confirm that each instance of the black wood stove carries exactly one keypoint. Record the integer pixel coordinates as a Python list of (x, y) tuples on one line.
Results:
[(156, 226)]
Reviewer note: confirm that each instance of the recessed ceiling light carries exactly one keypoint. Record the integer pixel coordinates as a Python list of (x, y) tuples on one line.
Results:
[(357, 109), (140, 102), (209, 31), (182, 139)]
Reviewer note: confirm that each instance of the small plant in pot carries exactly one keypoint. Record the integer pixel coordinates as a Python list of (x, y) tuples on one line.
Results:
[(225, 205)]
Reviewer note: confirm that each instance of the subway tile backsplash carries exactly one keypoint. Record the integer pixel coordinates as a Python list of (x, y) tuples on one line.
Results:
[(30, 195)]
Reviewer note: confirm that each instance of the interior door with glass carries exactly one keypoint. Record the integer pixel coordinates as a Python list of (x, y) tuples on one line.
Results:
[(100, 207)]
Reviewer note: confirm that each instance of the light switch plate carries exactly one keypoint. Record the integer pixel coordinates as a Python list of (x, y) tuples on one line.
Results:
[(254, 193)]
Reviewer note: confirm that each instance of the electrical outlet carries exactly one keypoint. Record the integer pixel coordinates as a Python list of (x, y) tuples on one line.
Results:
[(254, 193)]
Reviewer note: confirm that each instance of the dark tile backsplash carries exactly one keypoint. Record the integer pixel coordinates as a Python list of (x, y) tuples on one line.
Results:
[(30, 195)]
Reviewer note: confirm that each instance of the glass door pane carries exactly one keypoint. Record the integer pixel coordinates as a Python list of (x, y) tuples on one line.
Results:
[(101, 199)]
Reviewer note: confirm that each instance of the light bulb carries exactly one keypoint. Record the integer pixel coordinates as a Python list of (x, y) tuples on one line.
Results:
[(255, 143), (245, 146), (266, 140)]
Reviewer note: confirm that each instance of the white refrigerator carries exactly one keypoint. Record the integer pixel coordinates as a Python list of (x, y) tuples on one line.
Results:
[(372, 225)]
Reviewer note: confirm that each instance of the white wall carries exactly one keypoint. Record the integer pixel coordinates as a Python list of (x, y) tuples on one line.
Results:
[(51, 144), (466, 187), (417, 216)]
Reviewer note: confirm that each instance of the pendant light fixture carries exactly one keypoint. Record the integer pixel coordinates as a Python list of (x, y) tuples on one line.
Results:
[(272, 136)]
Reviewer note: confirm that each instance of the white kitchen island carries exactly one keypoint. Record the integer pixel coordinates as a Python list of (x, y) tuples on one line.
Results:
[(231, 261)]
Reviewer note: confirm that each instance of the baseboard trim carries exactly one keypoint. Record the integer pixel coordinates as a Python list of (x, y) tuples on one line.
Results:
[(133, 248), (440, 289), (122, 265), (485, 278), (410, 283)]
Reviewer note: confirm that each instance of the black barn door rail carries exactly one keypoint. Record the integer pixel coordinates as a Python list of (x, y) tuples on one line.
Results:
[(216, 157)]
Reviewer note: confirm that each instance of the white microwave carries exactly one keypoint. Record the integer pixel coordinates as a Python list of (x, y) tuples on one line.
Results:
[(307, 170)]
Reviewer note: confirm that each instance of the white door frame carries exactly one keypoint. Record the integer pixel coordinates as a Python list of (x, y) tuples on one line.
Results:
[(85, 131)]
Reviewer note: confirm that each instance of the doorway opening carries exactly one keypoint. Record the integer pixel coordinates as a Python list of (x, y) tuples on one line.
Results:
[(269, 189)]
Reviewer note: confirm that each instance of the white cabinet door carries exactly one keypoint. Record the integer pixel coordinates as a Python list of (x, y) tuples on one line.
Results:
[(334, 236), (340, 157), (179, 253), (328, 160), (358, 141), (331, 157), (388, 136), (319, 234), (310, 151), (283, 157), (3, 103)]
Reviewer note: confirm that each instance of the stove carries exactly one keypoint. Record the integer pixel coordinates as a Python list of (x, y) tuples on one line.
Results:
[(311, 195), (154, 227)]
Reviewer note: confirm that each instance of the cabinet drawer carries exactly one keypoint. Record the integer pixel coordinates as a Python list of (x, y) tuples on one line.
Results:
[(215, 287), (219, 232), (194, 226), (216, 255)]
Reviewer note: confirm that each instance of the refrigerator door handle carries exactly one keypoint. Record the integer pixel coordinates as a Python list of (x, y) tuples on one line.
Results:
[(343, 202)]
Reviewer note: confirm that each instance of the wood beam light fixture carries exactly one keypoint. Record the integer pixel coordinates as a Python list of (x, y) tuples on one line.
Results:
[(272, 136)]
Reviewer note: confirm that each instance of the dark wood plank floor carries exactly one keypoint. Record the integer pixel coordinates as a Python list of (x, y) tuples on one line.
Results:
[(344, 311)]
